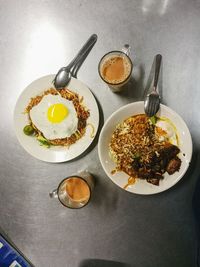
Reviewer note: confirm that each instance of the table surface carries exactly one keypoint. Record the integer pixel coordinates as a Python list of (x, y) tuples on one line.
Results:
[(36, 39)]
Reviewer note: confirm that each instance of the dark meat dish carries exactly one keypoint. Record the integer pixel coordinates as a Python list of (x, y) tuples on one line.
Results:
[(163, 160)]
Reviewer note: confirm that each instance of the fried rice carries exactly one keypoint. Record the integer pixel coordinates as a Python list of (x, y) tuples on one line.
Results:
[(137, 150)]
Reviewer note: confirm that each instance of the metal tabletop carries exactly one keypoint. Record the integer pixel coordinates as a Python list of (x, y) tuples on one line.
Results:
[(36, 39)]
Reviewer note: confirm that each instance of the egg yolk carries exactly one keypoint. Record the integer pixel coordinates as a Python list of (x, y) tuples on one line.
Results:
[(57, 113)]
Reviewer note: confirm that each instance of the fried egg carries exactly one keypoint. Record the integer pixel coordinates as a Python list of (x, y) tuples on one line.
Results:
[(166, 131), (55, 117)]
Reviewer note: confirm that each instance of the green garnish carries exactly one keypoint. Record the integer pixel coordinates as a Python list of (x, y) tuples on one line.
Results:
[(28, 130), (136, 155), (153, 120), (43, 141)]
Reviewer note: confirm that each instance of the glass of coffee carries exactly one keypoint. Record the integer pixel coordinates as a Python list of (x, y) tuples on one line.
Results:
[(115, 69), (75, 191)]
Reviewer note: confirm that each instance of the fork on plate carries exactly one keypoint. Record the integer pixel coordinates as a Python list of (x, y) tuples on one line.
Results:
[(152, 100)]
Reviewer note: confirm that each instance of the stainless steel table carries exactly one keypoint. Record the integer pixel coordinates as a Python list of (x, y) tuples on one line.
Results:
[(36, 39)]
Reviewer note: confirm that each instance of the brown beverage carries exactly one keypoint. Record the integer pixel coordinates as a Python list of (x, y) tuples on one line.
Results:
[(115, 69), (77, 189)]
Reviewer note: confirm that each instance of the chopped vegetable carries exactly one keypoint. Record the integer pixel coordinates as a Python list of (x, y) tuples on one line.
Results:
[(136, 155), (153, 120), (28, 130), (43, 141)]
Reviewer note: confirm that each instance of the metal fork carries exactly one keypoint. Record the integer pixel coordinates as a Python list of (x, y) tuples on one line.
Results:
[(77, 66), (152, 100)]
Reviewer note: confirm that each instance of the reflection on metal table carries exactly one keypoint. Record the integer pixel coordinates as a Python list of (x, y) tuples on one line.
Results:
[(116, 228)]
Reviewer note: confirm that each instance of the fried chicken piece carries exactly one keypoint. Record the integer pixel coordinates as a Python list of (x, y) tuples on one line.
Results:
[(173, 165)]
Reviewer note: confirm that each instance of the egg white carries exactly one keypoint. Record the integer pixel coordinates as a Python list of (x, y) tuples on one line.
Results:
[(169, 131), (51, 131)]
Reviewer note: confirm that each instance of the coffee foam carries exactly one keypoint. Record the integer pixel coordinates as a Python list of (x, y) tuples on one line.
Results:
[(109, 62)]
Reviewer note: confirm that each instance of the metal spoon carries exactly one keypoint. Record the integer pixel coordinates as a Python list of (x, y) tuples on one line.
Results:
[(152, 100), (63, 76)]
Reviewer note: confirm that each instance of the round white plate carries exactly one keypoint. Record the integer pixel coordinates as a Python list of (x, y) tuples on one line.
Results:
[(54, 153), (142, 186)]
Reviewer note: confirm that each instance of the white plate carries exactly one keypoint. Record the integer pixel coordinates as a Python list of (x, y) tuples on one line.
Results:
[(54, 153), (142, 186)]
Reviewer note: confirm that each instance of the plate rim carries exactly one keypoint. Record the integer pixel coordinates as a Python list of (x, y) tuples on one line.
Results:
[(100, 148)]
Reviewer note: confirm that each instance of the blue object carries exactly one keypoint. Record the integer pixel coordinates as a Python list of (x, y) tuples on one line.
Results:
[(9, 256)]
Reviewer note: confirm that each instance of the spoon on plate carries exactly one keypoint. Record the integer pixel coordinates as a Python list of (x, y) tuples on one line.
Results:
[(152, 100), (64, 75)]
